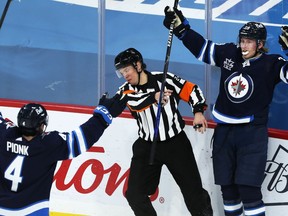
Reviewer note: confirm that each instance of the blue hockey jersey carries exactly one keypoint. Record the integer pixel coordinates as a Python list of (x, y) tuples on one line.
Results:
[(27, 167), (246, 86)]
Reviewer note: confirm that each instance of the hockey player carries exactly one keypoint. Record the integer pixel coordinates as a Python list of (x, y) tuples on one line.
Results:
[(28, 154), (248, 78), (173, 147)]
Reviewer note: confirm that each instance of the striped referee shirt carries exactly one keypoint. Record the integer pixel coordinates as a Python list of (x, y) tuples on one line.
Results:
[(143, 106)]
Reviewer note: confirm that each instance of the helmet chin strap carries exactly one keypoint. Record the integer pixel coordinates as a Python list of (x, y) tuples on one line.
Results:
[(43, 129), (139, 76), (257, 50), (139, 72)]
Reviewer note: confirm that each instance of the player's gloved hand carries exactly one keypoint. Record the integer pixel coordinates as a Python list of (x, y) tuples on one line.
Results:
[(181, 24), (104, 113), (283, 39), (115, 105)]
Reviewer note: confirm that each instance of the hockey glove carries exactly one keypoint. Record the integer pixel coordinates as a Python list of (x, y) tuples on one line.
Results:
[(283, 39), (181, 24), (102, 111), (115, 105)]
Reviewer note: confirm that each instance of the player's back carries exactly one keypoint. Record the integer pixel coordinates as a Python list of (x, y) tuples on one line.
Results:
[(27, 167)]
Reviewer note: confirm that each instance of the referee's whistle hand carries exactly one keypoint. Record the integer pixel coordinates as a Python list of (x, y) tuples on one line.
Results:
[(200, 124)]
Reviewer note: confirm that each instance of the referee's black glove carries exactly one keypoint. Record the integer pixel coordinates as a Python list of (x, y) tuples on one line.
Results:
[(114, 105)]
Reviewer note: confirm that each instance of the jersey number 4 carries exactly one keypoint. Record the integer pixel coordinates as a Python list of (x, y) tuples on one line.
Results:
[(13, 172)]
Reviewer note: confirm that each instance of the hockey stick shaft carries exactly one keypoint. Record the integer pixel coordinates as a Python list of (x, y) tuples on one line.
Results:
[(158, 116), (4, 13)]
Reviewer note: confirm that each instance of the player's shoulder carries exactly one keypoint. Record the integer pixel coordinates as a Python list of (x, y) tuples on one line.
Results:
[(274, 59), (8, 128), (226, 44), (54, 136), (274, 56), (224, 50), (227, 47)]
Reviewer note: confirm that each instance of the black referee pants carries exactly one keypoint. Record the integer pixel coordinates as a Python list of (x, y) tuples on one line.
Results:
[(177, 154)]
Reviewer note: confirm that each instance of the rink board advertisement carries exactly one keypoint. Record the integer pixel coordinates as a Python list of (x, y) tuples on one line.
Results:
[(94, 183)]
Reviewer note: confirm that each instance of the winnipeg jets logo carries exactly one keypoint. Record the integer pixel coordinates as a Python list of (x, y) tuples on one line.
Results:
[(239, 87), (228, 64)]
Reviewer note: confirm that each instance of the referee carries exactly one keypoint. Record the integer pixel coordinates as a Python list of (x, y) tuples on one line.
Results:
[(173, 147)]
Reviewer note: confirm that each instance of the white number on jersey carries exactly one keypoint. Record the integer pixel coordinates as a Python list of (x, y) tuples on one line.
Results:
[(13, 172)]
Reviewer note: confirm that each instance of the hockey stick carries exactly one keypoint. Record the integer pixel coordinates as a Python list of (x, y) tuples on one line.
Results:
[(4, 12), (167, 57)]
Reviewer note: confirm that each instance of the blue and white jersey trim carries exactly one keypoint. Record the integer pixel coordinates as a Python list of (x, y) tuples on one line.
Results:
[(201, 56), (224, 119), (211, 54), (82, 145), (76, 138), (233, 207), (42, 209), (284, 73), (257, 211), (208, 47), (70, 145)]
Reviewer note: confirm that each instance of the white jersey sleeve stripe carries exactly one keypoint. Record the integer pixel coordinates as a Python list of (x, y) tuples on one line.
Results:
[(201, 57), (80, 140), (70, 145), (212, 48)]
